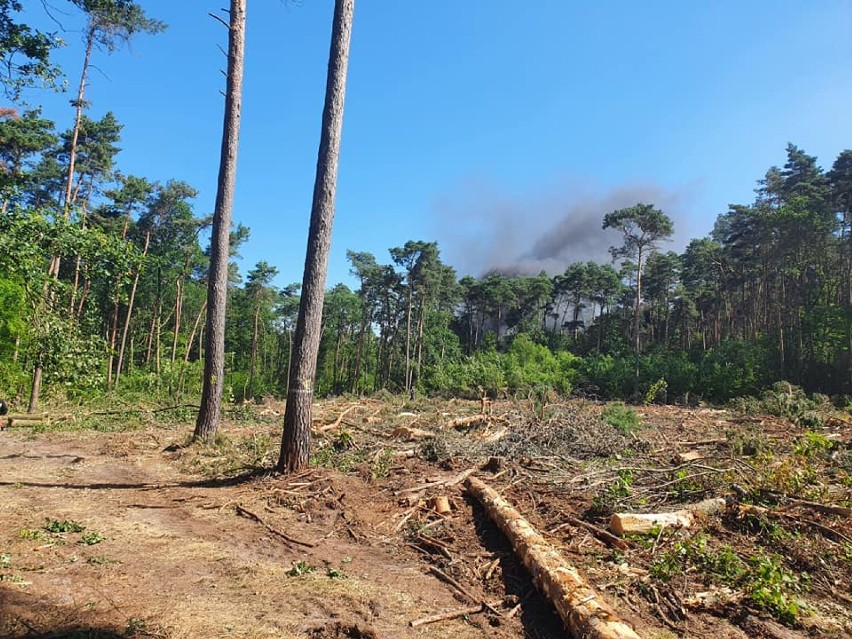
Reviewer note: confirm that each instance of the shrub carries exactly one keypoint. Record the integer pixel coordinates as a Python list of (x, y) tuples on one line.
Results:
[(622, 417)]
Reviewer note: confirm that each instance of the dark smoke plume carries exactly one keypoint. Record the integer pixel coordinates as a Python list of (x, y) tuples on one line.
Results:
[(483, 230)]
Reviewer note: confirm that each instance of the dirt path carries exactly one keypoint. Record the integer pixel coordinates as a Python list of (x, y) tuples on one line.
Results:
[(176, 560)]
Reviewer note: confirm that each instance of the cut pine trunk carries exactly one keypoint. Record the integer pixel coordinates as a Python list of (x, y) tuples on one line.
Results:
[(634, 523), (582, 610)]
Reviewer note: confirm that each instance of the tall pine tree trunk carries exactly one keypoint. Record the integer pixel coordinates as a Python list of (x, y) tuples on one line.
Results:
[(217, 284), (296, 442)]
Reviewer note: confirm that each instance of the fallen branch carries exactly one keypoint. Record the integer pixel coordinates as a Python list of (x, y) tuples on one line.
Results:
[(245, 512), (444, 616), (406, 516), (579, 606), (461, 589), (600, 533), (825, 509), (449, 482), (747, 509), (632, 523), (123, 411), (338, 421)]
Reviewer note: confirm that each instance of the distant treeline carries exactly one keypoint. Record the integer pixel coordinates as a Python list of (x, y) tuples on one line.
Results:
[(109, 292)]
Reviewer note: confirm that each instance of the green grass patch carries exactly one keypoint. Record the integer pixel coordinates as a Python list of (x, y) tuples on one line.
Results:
[(622, 417)]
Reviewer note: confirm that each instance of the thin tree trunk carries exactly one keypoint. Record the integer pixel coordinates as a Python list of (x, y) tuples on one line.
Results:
[(178, 315), (53, 270), (113, 335), (418, 347), (253, 356), (129, 314), (194, 331), (408, 343), (149, 346), (36, 389), (209, 412), (296, 441)]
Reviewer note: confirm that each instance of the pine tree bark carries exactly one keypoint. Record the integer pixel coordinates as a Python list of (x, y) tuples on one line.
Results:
[(296, 441), (209, 413)]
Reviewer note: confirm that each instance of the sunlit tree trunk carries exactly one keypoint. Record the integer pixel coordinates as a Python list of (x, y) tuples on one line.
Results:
[(209, 412), (296, 441)]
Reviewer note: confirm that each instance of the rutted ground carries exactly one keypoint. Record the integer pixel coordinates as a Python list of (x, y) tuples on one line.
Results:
[(176, 561), (170, 555)]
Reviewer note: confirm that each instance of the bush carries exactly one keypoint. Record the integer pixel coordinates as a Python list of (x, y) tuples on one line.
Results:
[(613, 376), (734, 368), (622, 417), (464, 377), (529, 365)]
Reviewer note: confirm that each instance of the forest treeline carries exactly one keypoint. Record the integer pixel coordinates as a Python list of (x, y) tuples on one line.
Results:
[(103, 283), (767, 296)]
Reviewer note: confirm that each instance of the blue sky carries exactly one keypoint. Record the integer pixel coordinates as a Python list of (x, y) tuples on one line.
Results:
[(495, 127)]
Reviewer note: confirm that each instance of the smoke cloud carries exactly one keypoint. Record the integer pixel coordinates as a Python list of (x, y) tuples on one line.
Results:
[(482, 228)]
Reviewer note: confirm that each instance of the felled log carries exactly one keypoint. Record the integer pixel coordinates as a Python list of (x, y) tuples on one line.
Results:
[(633, 523), (580, 607), (689, 456), (467, 422), (441, 504), (766, 628), (28, 419), (409, 433)]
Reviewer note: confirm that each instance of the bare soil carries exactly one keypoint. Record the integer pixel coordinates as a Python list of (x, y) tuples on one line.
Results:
[(205, 541)]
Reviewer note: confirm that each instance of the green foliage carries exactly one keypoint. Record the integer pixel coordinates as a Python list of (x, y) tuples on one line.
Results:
[(63, 526), (31, 534), (765, 580), (300, 568), (25, 53), (622, 417), (736, 368), (786, 400), (91, 538), (528, 365), (335, 573), (343, 441), (748, 441), (655, 391), (772, 587), (463, 378), (613, 377), (381, 464), (813, 445)]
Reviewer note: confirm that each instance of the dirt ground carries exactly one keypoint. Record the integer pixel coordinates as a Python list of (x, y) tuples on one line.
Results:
[(205, 541)]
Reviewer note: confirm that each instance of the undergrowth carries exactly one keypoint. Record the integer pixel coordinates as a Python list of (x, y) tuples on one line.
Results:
[(764, 580)]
